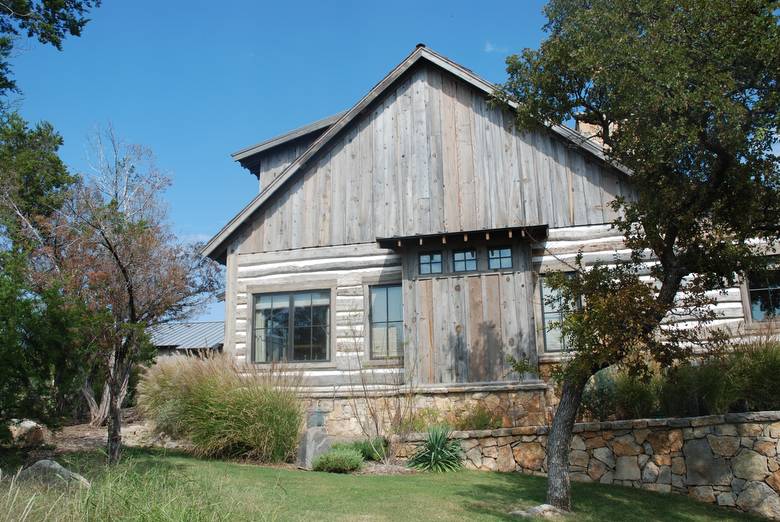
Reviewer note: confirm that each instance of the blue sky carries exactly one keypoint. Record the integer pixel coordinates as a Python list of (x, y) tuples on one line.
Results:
[(195, 81)]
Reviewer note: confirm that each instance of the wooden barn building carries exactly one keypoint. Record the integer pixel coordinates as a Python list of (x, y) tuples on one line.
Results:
[(410, 236)]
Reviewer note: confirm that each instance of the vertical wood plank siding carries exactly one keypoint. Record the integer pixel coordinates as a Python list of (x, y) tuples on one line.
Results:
[(432, 155)]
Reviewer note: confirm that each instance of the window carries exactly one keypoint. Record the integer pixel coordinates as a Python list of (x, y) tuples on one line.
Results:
[(551, 313), (764, 292), (464, 260), (430, 263), (292, 326), (386, 318), (499, 258)]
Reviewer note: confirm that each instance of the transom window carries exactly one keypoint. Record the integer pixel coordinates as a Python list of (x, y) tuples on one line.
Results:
[(464, 260), (430, 263), (386, 318), (764, 291), (499, 258), (292, 326)]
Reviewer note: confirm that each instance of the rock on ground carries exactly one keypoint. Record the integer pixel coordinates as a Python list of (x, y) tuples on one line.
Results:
[(29, 433), (541, 511), (51, 473)]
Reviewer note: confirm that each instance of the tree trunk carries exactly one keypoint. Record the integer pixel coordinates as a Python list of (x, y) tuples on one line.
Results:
[(558, 442), (97, 412), (117, 384)]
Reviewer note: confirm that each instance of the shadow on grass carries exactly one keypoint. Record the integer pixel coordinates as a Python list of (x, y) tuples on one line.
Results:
[(591, 501)]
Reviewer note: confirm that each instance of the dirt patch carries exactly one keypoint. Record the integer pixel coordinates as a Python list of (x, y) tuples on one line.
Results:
[(379, 468)]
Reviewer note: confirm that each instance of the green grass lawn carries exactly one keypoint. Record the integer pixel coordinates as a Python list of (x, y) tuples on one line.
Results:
[(154, 485)]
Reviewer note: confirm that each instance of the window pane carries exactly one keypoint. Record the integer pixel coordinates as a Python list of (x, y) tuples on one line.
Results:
[(425, 269), (494, 263), (395, 339), (378, 304), (395, 310), (425, 258), (471, 264), (460, 266), (260, 347), (436, 267), (320, 309), (506, 262), (319, 343), (774, 302), (302, 344), (379, 340), (436, 258), (552, 337), (276, 341)]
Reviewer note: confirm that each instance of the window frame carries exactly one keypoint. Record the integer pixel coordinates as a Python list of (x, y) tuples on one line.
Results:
[(500, 247), (463, 251), (254, 291), (430, 253), (773, 264), (386, 322), (544, 330)]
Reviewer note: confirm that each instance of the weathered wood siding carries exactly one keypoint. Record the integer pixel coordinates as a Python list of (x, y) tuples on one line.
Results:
[(432, 156), (462, 327), (271, 163)]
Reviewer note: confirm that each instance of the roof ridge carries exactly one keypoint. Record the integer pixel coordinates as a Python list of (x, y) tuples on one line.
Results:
[(419, 52)]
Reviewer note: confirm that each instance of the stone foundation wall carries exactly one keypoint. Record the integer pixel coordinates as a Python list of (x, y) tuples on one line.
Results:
[(731, 460), (347, 413)]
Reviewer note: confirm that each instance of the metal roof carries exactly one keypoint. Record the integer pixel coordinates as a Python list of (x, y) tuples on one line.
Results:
[(189, 336)]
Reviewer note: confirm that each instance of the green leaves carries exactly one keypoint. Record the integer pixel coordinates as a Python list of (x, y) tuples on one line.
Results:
[(438, 453), (685, 95)]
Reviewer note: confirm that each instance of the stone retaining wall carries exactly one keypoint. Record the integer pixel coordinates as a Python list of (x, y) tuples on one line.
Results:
[(731, 460), (346, 410)]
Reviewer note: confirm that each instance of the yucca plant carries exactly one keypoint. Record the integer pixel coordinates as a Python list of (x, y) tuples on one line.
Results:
[(439, 453)]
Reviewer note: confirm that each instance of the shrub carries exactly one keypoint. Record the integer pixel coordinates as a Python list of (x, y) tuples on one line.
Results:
[(339, 460), (479, 418), (223, 410), (635, 398), (420, 420), (599, 398), (753, 372), (374, 449), (438, 453)]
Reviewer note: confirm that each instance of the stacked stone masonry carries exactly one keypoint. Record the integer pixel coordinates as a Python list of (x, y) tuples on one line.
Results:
[(347, 413), (731, 460)]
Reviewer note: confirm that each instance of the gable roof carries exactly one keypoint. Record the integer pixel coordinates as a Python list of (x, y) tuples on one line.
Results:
[(286, 137), (188, 336), (216, 247)]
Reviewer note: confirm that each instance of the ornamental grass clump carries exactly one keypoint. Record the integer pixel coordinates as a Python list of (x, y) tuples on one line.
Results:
[(339, 460), (438, 453), (224, 410), (371, 449)]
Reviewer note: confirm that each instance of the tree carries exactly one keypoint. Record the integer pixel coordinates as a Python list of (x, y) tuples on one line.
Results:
[(116, 250), (43, 340), (684, 95), (50, 21)]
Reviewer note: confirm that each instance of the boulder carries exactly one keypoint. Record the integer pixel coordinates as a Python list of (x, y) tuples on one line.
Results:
[(702, 494), (596, 469), (625, 446), (605, 455), (505, 460), (759, 498), (627, 468), (529, 455), (749, 465), (542, 511), (29, 433), (703, 468), (723, 445), (665, 442), (51, 473), (726, 499), (578, 458), (774, 481), (650, 473)]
